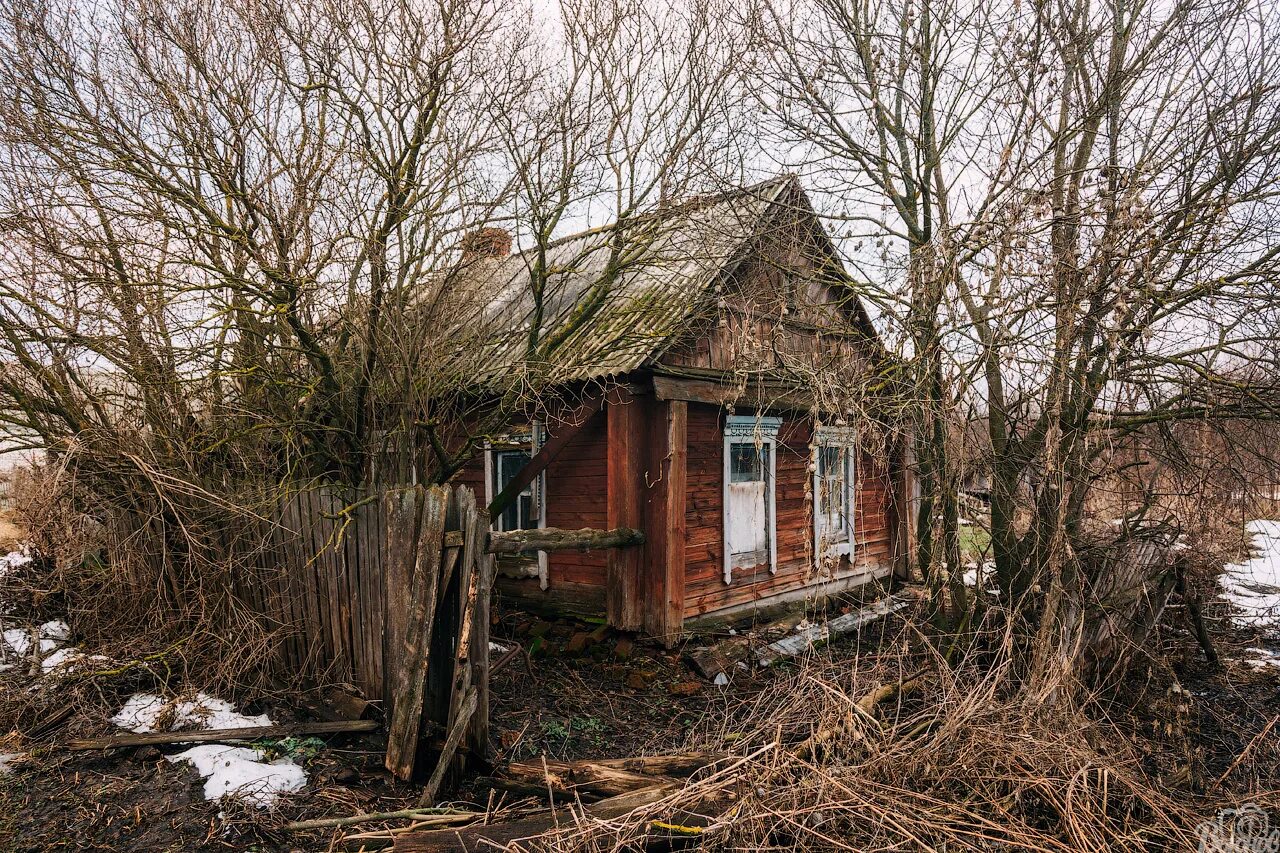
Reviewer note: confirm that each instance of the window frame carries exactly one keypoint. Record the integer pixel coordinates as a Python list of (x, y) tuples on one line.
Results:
[(531, 442), (845, 440), (761, 432)]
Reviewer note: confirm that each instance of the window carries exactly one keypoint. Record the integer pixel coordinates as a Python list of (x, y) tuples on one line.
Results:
[(504, 460), (750, 535), (834, 479), (519, 514)]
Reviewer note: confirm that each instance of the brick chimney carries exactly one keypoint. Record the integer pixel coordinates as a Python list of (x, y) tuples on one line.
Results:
[(485, 243)]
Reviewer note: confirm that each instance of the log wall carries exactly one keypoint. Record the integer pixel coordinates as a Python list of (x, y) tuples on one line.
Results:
[(705, 589)]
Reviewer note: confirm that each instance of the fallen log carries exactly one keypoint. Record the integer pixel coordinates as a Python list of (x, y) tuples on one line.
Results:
[(499, 835), (569, 778), (559, 539), (351, 820), (220, 735), (681, 764)]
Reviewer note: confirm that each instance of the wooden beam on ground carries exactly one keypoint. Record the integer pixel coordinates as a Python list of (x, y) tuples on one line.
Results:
[(664, 511), (544, 457), (222, 735), (559, 539), (572, 778), (802, 641), (624, 504), (679, 764), (710, 661)]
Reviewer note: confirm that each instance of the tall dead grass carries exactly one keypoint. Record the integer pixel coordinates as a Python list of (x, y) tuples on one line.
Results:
[(946, 759), (154, 594)]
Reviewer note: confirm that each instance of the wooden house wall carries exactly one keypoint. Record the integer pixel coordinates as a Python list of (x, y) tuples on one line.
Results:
[(705, 589), (576, 484), (777, 312)]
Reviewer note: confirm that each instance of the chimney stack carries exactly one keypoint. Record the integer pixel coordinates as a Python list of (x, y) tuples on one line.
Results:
[(485, 243)]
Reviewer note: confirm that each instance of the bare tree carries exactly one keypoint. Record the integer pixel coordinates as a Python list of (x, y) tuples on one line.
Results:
[(1083, 194)]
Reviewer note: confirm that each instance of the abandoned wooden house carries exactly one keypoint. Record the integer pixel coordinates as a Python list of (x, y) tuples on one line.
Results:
[(716, 366)]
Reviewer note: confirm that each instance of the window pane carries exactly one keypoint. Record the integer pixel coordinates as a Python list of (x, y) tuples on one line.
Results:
[(828, 461), (748, 463), (831, 487), (507, 464)]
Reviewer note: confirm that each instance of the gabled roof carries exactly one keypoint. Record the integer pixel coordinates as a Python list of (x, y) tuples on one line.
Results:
[(618, 294)]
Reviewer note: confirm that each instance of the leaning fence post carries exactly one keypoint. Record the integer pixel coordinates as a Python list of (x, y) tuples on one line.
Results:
[(411, 659)]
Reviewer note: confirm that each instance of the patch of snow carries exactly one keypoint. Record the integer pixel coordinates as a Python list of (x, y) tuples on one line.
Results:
[(62, 657), (56, 630), (13, 560), (142, 713), (235, 771), (1262, 658), (18, 639), (6, 759), (1253, 587), (497, 648)]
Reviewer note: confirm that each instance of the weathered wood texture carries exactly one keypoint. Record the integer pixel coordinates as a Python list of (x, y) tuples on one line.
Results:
[(705, 589), (362, 587), (777, 310), (664, 506), (416, 622), (555, 539), (624, 588)]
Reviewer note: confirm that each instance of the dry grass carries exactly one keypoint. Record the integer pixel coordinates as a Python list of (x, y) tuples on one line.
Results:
[(957, 760)]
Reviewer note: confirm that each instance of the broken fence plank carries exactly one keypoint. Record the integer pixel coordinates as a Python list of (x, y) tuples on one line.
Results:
[(219, 735), (456, 731), (412, 655), (802, 641)]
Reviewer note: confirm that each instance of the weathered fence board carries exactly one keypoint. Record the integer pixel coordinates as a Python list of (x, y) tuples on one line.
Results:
[(385, 589)]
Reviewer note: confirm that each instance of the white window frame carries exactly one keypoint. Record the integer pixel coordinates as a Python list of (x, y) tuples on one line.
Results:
[(844, 439), (536, 437), (763, 432)]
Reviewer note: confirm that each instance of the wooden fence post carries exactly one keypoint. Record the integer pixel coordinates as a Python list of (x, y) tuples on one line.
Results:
[(418, 620)]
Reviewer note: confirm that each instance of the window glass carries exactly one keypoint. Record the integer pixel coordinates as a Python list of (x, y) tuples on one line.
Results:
[(831, 476), (748, 463), (519, 513)]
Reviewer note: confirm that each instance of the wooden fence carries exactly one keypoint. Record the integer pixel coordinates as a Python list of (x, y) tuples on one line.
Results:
[(388, 591)]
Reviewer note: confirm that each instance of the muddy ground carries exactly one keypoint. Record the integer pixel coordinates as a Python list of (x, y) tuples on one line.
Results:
[(584, 692)]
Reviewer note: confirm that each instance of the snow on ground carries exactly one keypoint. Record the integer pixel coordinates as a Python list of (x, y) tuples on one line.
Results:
[(229, 771), (1253, 587), (235, 771), (143, 711), (1262, 658), (18, 639), (13, 560)]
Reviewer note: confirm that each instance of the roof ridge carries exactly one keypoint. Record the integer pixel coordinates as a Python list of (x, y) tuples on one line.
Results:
[(694, 202)]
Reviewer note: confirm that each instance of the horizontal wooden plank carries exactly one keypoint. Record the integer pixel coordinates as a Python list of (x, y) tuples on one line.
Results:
[(220, 735)]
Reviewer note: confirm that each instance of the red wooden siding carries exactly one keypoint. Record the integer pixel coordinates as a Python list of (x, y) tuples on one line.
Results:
[(705, 589), (576, 487)]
